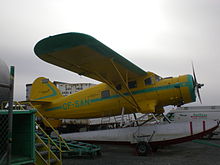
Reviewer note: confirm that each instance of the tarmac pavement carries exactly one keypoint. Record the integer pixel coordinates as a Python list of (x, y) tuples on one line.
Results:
[(188, 153)]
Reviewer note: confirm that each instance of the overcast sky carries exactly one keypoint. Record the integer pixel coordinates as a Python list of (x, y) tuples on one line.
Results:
[(162, 36)]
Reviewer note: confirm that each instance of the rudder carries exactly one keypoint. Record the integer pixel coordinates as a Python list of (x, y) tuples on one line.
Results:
[(44, 90)]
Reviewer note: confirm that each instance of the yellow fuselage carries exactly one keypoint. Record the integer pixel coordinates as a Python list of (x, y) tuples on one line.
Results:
[(150, 94)]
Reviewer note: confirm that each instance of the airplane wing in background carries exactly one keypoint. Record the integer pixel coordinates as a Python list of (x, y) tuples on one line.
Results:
[(83, 54)]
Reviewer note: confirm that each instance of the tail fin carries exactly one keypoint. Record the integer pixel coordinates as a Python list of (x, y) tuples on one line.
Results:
[(43, 90)]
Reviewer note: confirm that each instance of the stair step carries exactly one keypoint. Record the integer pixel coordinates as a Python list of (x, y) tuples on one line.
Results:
[(40, 134), (43, 153), (38, 145), (76, 148), (52, 161)]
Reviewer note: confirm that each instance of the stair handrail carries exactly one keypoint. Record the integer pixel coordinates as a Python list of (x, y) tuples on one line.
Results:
[(49, 150), (48, 137), (48, 123), (2, 104), (55, 131), (19, 106)]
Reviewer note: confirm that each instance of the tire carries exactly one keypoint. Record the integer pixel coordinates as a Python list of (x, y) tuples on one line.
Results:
[(143, 148)]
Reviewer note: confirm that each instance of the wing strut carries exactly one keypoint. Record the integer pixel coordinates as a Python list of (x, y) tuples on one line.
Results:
[(125, 84), (113, 87), (110, 84)]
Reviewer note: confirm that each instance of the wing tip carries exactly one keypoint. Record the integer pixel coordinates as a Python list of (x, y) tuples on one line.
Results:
[(60, 42)]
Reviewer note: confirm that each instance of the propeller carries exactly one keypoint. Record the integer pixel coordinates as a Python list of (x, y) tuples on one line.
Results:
[(197, 85)]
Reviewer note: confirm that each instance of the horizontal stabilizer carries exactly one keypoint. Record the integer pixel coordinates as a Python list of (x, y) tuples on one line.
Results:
[(35, 102)]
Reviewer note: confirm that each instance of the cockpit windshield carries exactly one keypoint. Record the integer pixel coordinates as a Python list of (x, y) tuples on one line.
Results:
[(158, 78)]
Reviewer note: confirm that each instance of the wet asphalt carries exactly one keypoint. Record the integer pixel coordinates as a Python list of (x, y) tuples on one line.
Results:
[(188, 153)]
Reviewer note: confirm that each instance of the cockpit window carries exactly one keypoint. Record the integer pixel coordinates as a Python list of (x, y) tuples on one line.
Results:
[(132, 84), (158, 78), (118, 87), (148, 81)]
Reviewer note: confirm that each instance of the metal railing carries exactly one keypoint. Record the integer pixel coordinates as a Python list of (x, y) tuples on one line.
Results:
[(5, 152), (40, 130), (50, 126)]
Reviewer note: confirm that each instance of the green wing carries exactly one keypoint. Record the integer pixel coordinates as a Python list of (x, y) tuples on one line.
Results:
[(83, 54)]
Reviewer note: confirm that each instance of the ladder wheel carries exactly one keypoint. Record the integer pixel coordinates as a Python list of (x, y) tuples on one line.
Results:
[(143, 148)]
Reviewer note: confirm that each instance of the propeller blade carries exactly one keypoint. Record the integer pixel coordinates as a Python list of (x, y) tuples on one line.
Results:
[(197, 89), (197, 86), (194, 74)]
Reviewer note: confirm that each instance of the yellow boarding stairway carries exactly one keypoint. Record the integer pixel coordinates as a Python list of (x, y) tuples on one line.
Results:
[(49, 150), (43, 151), (44, 155)]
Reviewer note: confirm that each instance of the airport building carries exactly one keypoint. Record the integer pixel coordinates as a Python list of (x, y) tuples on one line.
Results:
[(68, 88)]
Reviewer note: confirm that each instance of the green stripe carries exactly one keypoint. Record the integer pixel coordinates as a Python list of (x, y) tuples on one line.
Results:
[(191, 88), (54, 108), (51, 95), (147, 90)]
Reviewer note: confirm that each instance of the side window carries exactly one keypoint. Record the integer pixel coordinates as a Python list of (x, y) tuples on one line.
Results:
[(148, 81), (105, 94), (118, 87), (132, 84)]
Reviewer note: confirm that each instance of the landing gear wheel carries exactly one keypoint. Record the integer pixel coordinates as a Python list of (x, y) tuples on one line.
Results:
[(143, 148)]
